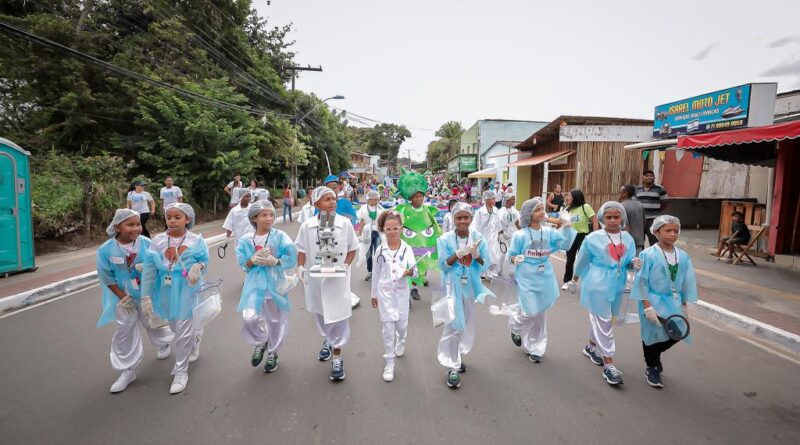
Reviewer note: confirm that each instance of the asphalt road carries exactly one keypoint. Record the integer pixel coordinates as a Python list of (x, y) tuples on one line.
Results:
[(55, 375)]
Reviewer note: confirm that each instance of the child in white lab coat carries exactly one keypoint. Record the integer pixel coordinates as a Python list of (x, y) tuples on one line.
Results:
[(392, 263)]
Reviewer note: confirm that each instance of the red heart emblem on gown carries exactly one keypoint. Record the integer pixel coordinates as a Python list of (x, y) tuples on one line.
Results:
[(616, 251), (259, 248), (170, 253)]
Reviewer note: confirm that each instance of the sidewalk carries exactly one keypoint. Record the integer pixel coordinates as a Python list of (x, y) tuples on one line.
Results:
[(768, 292)]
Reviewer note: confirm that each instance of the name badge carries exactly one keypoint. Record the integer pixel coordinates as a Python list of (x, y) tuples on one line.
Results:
[(675, 295), (167, 280), (541, 268), (537, 253), (463, 279), (117, 260)]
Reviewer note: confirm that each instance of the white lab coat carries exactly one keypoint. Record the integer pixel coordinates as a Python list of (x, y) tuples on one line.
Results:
[(306, 213), (237, 223), (508, 222), (388, 284), (488, 224), (328, 297)]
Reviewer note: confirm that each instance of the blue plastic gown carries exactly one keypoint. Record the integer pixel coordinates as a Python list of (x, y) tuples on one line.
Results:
[(653, 283), (262, 281), (602, 279), (537, 290), (345, 208), (176, 301), (113, 269), (446, 247)]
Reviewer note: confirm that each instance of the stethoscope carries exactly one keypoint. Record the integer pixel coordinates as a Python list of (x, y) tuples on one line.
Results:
[(382, 256)]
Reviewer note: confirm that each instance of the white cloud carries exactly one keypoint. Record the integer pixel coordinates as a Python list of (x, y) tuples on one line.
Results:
[(783, 41), (703, 53)]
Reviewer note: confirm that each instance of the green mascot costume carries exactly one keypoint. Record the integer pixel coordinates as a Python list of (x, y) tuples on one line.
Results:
[(420, 229)]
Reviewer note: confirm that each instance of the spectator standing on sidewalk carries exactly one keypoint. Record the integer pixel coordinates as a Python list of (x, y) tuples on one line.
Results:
[(170, 193), (555, 200), (654, 199), (584, 221), (635, 213), (288, 202), (236, 183), (141, 202)]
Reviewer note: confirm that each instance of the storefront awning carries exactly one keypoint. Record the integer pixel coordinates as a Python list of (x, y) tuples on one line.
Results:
[(753, 146), (483, 174), (536, 160)]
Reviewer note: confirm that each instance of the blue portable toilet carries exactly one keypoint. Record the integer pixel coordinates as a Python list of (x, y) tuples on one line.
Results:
[(16, 224)]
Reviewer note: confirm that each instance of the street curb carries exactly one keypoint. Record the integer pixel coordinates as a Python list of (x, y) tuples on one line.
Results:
[(754, 327)]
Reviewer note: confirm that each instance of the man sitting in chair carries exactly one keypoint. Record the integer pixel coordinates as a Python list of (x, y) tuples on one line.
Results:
[(740, 234)]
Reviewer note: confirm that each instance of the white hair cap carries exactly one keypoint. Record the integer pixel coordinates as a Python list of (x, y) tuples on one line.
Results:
[(319, 192), (461, 207), (119, 216), (527, 209), (662, 220), (257, 207), (186, 209), (488, 194), (372, 194), (612, 205), (241, 192)]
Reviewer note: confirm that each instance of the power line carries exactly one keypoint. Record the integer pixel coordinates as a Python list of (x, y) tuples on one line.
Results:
[(13, 31)]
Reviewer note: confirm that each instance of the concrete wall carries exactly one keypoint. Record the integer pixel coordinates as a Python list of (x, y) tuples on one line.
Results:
[(757, 185), (469, 139), (501, 162), (723, 180)]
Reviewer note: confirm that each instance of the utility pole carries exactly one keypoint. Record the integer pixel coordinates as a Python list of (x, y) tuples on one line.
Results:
[(297, 68)]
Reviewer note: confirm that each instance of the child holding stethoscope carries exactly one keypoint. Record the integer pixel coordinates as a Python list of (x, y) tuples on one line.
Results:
[(392, 263)]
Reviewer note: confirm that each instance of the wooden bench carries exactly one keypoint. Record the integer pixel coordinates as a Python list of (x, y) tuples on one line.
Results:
[(741, 252)]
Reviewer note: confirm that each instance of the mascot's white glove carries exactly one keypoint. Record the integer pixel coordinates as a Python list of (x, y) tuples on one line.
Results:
[(301, 274), (127, 304), (139, 267), (519, 259), (194, 274), (651, 316)]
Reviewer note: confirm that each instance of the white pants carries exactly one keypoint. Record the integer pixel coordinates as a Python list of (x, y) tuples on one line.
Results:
[(393, 331), (185, 338), (602, 334), (337, 333), (270, 326), (126, 343), (454, 343), (533, 330)]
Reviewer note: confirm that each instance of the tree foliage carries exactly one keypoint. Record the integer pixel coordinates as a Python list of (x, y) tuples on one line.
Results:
[(447, 146)]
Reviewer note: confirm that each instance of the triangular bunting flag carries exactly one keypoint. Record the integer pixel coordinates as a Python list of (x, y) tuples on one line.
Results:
[(645, 154), (679, 155), (695, 155), (662, 155)]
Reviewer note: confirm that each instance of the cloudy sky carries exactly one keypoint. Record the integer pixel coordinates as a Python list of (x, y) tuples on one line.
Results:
[(424, 62)]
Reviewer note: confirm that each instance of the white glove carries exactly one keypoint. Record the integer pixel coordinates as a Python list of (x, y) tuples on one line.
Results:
[(463, 251), (147, 306), (637, 263), (565, 219), (127, 304), (139, 267), (476, 252), (301, 274), (651, 316), (270, 261), (519, 259), (194, 274), (258, 259)]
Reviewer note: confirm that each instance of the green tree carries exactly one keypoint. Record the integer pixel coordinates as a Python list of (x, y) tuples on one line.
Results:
[(447, 146)]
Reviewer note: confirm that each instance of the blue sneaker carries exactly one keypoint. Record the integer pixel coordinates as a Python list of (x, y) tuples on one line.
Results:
[(453, 379), (591, 352), (653, 376), (324, 353), (337, 369), (612, 375)]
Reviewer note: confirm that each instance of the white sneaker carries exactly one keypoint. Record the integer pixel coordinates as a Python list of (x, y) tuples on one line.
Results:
[(196, 351), (164, 352), (399, 349), (565, 286), (125, 379), (179, 383), (388, 373)]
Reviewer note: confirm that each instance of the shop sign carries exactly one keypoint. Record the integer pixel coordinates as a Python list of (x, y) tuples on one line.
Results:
[(722, 110)]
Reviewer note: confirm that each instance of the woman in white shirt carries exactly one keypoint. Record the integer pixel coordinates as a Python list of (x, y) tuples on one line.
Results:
[(140, 201)]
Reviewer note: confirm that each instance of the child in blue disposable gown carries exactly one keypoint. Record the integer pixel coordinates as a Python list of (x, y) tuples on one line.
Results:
[(265, 255), (601, 266), (463, 257), (173, 273), (537, 290), (663, 286), (119, 269)]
